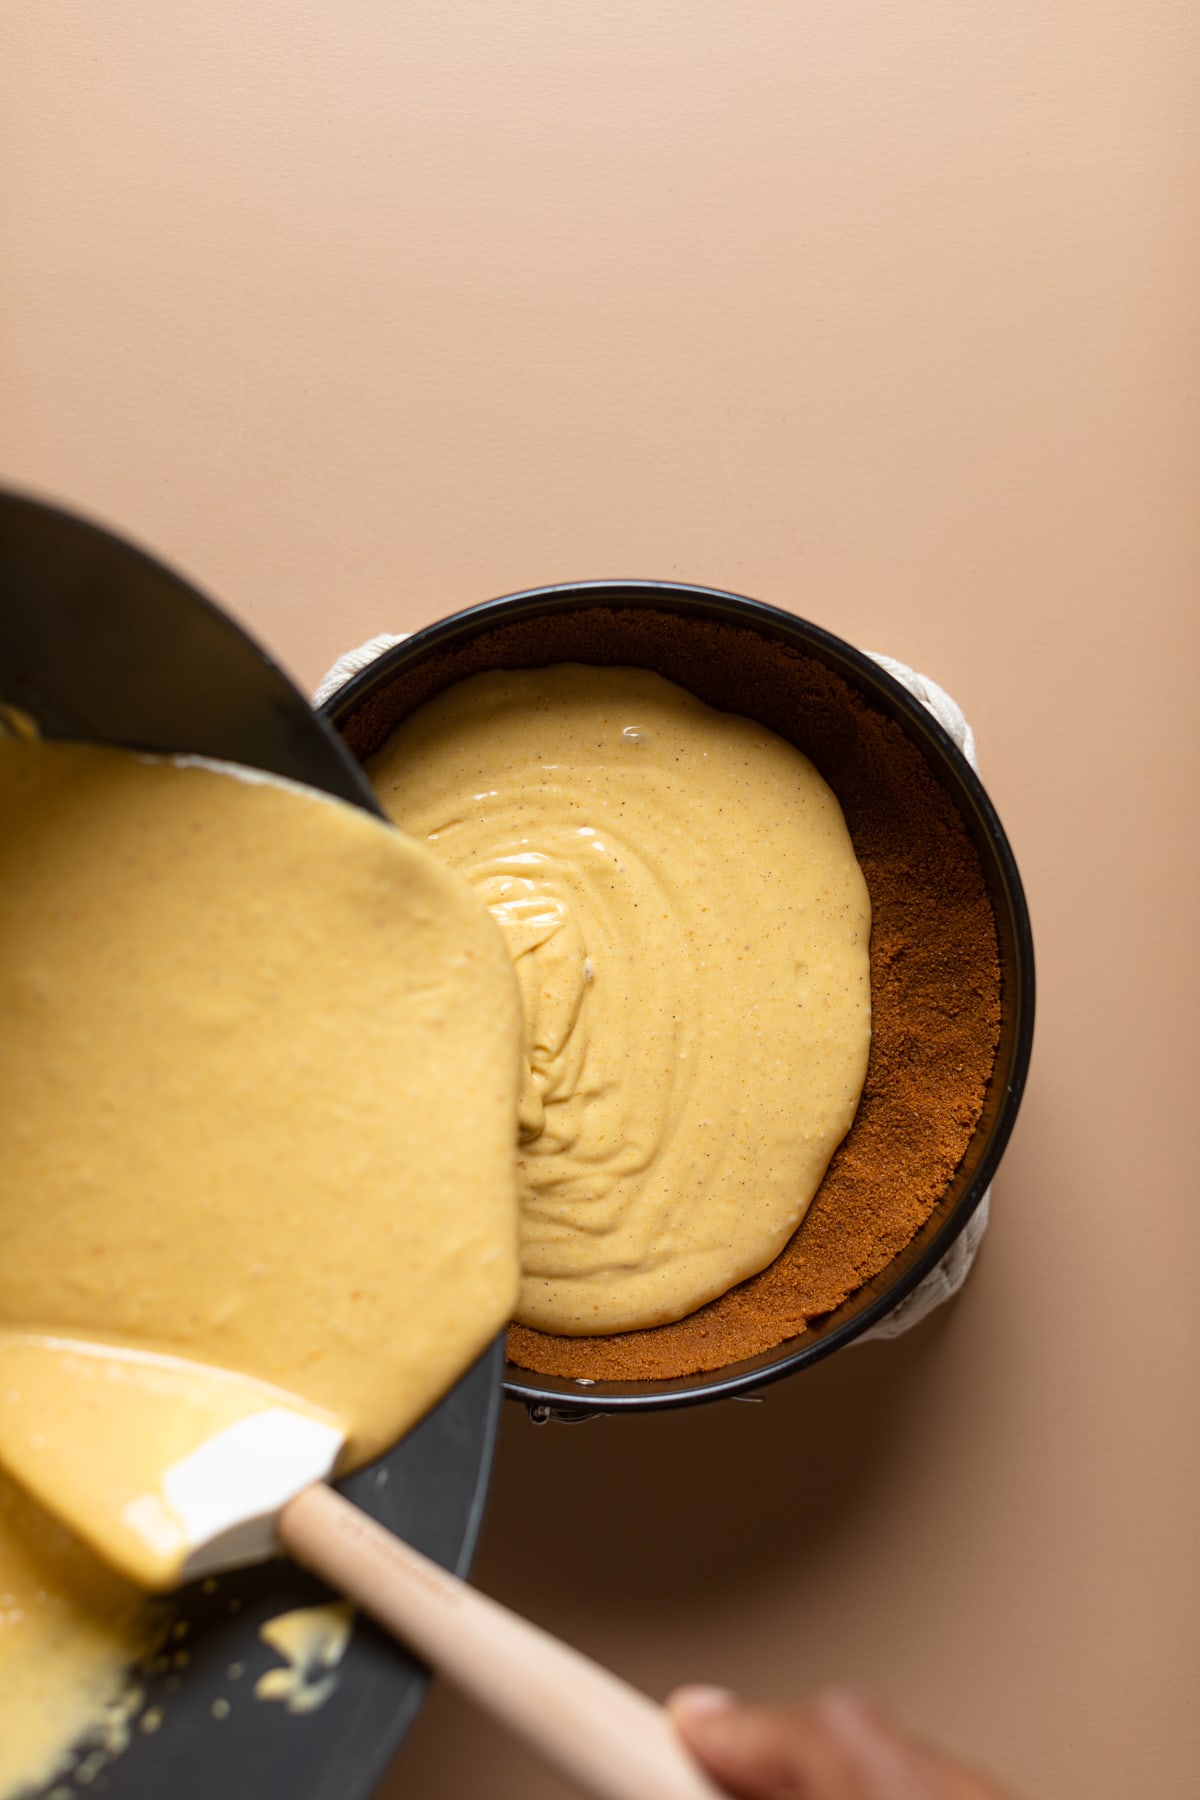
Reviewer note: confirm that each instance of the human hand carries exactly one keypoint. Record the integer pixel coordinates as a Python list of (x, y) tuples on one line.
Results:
[(839, 1747)]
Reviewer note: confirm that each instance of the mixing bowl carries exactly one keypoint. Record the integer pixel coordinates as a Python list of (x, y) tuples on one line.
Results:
[(100, 642), (727, 649)]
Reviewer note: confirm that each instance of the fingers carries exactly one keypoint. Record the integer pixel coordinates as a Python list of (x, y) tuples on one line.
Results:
[(839, 1748), (893, 1763), (764, 1753)]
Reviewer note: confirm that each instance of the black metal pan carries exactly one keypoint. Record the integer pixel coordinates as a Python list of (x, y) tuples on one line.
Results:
[(646, 623)]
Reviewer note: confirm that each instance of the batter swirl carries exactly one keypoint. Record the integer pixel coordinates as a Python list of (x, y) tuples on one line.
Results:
[(690, 931)]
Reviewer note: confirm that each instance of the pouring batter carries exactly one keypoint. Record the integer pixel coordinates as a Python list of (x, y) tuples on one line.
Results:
[(259, 1072)]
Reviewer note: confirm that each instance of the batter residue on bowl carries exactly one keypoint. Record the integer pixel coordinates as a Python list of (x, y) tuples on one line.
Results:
[(70, 1628)]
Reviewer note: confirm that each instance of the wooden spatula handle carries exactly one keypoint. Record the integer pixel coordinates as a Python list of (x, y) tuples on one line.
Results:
[(610, 1740)]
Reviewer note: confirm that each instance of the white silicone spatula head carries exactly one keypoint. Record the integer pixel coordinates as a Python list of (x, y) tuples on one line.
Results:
[(168, 1468)]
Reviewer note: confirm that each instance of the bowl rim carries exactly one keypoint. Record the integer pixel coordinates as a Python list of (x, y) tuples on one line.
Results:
[(560, 1397)]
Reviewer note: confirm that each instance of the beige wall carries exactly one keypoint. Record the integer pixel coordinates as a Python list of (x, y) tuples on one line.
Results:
[(885, 312)]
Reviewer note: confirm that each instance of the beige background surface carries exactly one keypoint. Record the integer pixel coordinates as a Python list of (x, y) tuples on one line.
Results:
[(884, 312)]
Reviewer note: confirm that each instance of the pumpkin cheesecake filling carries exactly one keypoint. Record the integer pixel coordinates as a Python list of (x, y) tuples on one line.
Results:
[(690, 928)]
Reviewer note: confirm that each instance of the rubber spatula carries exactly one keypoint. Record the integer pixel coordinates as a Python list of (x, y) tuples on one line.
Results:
[(173, 1470)]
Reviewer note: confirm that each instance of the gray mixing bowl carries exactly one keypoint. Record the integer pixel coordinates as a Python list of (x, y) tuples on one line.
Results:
[(100, 642)]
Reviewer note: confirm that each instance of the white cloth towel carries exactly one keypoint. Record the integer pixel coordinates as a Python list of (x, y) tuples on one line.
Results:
[(945, 1279)]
